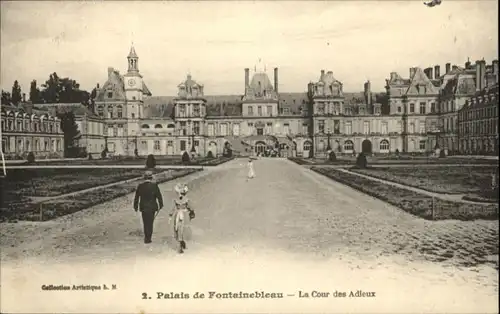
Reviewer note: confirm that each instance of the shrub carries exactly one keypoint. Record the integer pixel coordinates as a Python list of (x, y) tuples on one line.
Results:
[(361, 161), (150, 161), (30, 158), (90, 157), (442, 154), (185, 157), (210, 155), (104, 154), (136, 152), (332, 156)]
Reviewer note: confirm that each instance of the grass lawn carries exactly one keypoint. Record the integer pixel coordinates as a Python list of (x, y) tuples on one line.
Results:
[(26, 209), (444, 179), (412, 202), (160, 161), (393, 160)]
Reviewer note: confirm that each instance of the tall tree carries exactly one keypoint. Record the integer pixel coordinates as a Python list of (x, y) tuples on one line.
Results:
[(71, 133), (6, 98), (34, 93), (63, 90), (16, 93)]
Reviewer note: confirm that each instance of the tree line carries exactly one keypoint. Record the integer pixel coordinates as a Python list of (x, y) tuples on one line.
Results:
[(57, 90)]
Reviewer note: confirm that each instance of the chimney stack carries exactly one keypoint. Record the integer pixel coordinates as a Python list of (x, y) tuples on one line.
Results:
[(430, 74), (247, 78), (368, 93), (24, 97), (110, 71), (483, 74), (276, 80), (478, 76), (97, 85), (322, 74), (467, 64), (436, 71), (495, 70), (412, 72), (454, 67), (448, 68)]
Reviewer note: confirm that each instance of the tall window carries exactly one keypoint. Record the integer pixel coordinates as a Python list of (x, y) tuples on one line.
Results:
[(110, 130), (305, 128), (236, 129), (119, 111), (223, 129), (157, 145), (412, 108), (400, 127), (385, 128), (433, 107), (321, 126), (183, 145), (422, 145), (259, 110), (120, 129), (286, 128), (196, 127), (366, 127), (384, 146), (196, 110), (269, 110), (269, 128), (421, 127), (182, 110), (110, 112), (183, 128), (422, 108), (210, 129), (348, 127), (411, 128), (250, 111)]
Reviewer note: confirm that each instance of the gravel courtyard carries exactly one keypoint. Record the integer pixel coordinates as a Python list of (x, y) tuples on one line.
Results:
[(289, 229)]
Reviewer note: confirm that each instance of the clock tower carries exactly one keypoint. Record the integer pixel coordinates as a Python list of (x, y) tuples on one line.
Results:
[(134, 87)]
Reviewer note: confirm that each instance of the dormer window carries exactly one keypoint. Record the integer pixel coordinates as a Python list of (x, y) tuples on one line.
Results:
[(110, 94)]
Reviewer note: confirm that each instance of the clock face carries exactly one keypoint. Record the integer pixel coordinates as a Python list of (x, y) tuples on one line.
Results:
[(131, 82)]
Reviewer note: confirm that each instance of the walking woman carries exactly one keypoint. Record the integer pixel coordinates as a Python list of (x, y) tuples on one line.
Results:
[(251, 172)]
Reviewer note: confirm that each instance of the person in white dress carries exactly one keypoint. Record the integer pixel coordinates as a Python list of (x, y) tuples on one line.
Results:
[(251, 172)]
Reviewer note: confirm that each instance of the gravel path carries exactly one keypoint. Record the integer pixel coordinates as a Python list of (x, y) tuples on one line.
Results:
[(288, 229)]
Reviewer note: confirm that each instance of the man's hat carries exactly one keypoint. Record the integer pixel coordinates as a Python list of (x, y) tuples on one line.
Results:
[(148, 175)]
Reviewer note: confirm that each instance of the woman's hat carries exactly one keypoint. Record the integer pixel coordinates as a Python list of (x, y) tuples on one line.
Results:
[(181, 188)]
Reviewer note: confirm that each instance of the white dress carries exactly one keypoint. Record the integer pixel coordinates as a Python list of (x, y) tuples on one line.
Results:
[(251, 172)]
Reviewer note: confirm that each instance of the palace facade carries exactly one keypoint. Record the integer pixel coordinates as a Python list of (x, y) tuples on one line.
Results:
[(416, 114), (478, 123), (25, 129)]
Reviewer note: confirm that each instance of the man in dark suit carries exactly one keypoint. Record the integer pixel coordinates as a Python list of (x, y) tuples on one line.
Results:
[(148, 200)]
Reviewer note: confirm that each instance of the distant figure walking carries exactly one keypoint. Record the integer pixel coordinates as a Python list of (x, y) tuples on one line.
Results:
[(149, 201), (251, 172)]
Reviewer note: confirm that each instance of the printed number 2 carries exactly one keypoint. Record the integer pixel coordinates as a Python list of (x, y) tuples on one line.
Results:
[(144, 295)]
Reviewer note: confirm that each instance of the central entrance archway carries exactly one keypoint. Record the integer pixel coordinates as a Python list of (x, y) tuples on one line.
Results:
[(366, 147), (260, 147)]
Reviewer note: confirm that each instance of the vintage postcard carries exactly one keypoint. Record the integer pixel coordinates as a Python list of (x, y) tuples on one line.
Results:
[(249, 157)]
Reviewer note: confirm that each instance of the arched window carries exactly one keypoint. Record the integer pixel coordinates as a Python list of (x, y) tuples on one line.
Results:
[(119, 111), (158, 126), (307, 145), (100, 111), (145, 126), (384, 146), (171, 126), (348, 145), (110, 112)]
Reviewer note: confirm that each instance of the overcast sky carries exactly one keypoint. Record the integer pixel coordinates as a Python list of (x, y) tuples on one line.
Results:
[(215, 41)]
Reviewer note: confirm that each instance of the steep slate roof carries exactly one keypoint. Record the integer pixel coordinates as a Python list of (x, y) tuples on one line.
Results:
[(419, 78), (115, 84), (79, 110)]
